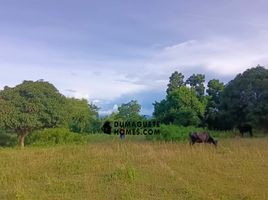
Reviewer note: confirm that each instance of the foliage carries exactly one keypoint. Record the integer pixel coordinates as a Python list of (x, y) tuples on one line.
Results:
[(7, 140), (160, 111), (82, 117), (185, 107), (30, 106), (171, 133), (37, 105), (197, 83), (129, 111), (181, 133), (175, 81), (181, 107), (245, 99), (215, 88), (55, 136)]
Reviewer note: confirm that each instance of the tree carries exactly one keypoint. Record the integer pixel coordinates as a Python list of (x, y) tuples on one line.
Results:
[(129, 111), (181, 107), (83, 116), (215, 88), (245, 99), (175, 81), (5, 109), (197, 83), (160, 111), (30, 106), (186, 108)]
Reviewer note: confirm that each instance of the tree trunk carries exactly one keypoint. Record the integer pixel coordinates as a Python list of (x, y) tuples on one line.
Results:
[(21, 140)]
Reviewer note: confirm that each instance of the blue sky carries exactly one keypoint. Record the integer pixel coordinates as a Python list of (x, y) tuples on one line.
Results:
[(110, 52)]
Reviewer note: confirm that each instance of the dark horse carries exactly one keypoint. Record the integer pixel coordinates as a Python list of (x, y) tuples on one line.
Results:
[(244, 128), (202, 137)]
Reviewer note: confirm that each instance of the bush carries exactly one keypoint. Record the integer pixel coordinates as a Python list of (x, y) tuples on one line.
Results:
[(8, 140), (223, 134), (181, 133), (55, 136)]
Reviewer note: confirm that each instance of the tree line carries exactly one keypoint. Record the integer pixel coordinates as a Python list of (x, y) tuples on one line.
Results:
[(243, 100), (34, 105)]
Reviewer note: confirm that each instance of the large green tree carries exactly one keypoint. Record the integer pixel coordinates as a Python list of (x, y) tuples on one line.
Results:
[(161, 113), (186, 108), (129, 111), (82, 116), (181, 107), (175, 81), (196, 81), (245, 99), (214, 90), (30, 106)]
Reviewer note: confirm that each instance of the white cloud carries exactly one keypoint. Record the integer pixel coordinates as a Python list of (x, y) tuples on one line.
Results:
[(109, 111), (223, 56), (115, 108)]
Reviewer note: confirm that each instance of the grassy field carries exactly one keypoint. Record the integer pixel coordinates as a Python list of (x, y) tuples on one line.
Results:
[(136, 169)]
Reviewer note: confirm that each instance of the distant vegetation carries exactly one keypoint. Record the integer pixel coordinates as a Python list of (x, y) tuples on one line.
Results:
[(223, 107), (49, 137), (33, 106), (36, 108), (181, 133)]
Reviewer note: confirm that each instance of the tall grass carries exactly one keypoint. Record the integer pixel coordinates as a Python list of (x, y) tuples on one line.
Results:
[(237, 169)]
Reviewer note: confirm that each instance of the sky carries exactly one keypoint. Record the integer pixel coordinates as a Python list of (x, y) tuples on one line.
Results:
[(111, 52)]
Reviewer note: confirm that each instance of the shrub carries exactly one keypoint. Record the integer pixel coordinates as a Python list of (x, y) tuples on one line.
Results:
[(8, 140), (181, 133), (55, 136)]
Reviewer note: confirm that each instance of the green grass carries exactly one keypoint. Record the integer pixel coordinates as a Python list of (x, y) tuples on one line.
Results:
[(107, 168)]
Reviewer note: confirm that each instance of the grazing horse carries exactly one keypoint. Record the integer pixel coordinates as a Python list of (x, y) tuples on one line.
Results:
[(202, 137), (244, 128)]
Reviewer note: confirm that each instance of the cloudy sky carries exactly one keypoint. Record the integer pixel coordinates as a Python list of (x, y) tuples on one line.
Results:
[(112, 51)]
